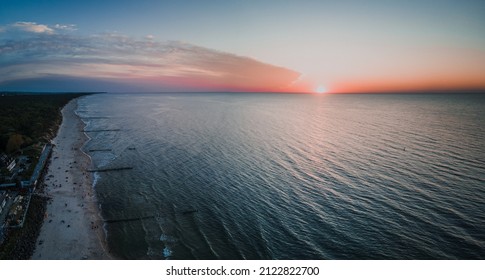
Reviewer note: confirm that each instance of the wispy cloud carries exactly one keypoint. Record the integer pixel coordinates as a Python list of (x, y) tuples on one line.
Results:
[(33, 27), (113, 56), (26, 28), (68, 27)]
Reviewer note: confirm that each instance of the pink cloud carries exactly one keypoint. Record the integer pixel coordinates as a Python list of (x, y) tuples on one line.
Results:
[(33, 27), (118, 57)]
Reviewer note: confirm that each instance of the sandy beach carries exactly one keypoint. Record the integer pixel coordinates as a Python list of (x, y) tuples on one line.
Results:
[(73, 227)]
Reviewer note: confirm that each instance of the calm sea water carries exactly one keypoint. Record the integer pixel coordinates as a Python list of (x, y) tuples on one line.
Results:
[(286, 176)]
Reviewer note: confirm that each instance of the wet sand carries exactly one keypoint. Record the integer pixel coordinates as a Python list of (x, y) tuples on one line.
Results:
[(73, 227)]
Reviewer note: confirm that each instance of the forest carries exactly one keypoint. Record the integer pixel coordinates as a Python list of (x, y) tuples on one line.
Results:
[(27, 119)]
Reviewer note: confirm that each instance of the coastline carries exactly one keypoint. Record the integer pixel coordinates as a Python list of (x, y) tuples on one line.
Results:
[(73, 227)]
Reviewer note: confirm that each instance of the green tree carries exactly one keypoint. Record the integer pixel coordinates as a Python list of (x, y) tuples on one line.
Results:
[(14, 143)]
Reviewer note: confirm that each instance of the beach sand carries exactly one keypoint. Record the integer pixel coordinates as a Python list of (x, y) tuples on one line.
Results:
[(73, 227)]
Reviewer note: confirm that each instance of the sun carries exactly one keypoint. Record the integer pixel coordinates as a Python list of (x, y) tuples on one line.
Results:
[(320, 89)]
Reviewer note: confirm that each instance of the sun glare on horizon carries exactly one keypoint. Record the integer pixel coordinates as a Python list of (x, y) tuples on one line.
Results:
[(320, 89)]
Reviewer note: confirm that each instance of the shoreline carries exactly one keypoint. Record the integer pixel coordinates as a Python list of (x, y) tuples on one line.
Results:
[(73, 227)]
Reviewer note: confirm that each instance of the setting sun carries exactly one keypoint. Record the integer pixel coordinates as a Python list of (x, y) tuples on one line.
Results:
[(320, 89)]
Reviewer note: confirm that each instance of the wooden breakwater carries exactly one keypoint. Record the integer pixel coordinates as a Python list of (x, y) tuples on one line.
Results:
[(101, 130), (110, 169), (120, 220), (129, 219)]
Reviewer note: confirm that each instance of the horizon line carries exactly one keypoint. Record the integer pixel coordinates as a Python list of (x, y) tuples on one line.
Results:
[(457, 91)]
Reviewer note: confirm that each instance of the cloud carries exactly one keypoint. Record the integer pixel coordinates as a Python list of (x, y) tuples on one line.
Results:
[(68, 27), (33, 27), (116, 57), (27, 27)]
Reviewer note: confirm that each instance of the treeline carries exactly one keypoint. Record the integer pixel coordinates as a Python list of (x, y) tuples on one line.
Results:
[(29, 119)]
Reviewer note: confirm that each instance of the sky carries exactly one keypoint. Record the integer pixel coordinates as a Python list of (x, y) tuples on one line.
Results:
[(279, 46)]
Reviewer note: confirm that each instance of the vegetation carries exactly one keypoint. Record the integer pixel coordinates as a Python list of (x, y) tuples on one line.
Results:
[(20, 242), (29, 119), (26, 120)]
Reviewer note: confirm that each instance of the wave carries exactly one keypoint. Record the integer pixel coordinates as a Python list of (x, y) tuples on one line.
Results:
[(290, 177)]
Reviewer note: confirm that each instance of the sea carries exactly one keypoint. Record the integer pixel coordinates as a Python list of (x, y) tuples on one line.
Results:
[(289, 176)]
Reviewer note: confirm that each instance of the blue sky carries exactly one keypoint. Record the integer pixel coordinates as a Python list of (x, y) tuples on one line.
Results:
[(329, 43)]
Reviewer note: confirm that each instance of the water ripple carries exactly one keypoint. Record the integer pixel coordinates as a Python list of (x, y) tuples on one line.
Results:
[(269, 176)]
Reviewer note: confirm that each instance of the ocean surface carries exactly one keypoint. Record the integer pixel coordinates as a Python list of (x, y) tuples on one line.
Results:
[(288, 176)]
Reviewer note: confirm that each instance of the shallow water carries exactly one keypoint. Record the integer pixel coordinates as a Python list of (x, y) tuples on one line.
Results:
[(286, 176)]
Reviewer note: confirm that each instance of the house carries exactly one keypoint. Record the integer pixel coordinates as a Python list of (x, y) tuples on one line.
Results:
[(8, 162), (3, 200), (3, 160), (11, 165)]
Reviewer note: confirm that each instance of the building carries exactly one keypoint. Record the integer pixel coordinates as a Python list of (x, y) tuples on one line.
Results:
[(3, 160), (3, 200), (11, 165), (7, 162)]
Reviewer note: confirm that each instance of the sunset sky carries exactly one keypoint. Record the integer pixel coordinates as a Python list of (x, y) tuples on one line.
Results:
[(281, 46)]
